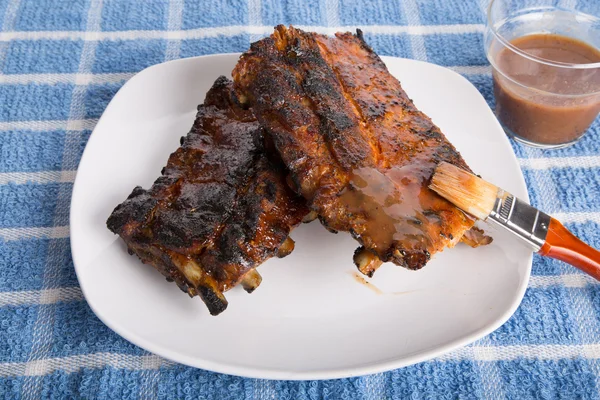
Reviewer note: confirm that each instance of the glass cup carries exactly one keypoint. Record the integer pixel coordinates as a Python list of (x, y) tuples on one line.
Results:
[(546, 69)]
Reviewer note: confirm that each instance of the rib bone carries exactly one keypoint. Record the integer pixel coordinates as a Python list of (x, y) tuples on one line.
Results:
[(286, 247), (366, 261), (251, 280)]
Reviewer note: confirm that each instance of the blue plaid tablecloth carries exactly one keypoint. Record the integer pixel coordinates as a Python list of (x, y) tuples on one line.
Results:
[(61, 61)]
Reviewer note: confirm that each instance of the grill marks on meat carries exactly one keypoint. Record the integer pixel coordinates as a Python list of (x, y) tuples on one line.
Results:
[(220, 208), (356, 146)]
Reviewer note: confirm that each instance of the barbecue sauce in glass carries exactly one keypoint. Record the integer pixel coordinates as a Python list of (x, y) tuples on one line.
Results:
[(543, 103)]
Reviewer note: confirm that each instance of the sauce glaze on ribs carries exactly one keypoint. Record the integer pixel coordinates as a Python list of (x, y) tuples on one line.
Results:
[(220, 208), (356, 146)]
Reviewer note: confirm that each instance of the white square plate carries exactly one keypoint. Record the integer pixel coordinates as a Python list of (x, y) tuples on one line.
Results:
[(311, 318)]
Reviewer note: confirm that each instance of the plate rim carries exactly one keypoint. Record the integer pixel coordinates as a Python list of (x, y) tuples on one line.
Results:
[(276, 374)]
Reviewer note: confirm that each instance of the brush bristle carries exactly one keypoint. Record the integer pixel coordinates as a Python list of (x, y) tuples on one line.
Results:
[(465, 190)]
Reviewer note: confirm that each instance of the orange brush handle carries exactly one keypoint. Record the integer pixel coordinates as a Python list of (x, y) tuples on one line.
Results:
[(563, 245)]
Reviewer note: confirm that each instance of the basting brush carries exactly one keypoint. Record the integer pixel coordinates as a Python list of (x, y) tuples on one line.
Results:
[(487, 202)]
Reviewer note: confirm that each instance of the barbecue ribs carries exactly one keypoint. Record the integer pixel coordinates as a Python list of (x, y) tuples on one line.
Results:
[(356, 146), (220, 208)]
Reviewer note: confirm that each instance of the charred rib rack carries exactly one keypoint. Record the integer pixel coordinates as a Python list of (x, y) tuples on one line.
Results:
[(220, 208), (357, 148)]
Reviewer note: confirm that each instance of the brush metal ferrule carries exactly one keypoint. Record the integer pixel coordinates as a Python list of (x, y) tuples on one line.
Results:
[(529, 223)]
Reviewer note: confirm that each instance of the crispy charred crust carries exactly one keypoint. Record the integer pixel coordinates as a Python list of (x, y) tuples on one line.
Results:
[(333, 110), (220, 208), (215, 302), (411, 259), (363, 43)]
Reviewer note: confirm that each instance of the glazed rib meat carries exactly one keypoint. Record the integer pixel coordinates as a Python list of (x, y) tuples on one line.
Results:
[(356, 146), (220, 208)]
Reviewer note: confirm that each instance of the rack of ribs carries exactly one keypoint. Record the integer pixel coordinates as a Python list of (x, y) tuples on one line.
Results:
[(357, 148), (220, 208)]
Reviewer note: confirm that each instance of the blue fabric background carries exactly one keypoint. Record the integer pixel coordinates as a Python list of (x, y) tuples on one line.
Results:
[(61, 61)]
